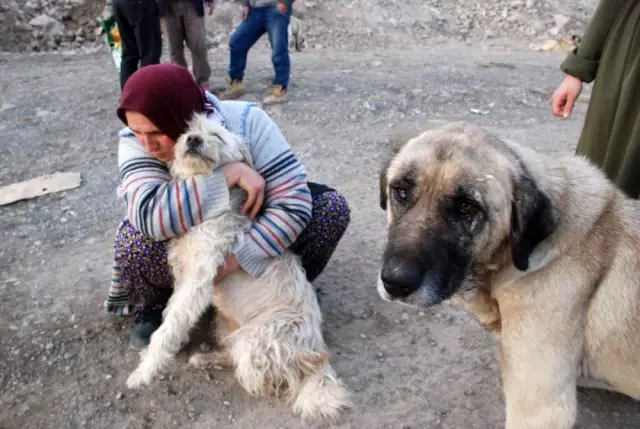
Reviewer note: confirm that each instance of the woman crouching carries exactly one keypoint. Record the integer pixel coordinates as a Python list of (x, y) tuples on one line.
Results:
[(287, 211)]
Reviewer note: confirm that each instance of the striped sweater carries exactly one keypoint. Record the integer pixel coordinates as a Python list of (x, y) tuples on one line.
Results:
[(161, 208)]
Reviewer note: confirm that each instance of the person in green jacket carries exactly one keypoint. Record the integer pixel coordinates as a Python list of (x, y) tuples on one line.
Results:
[(608, 54)]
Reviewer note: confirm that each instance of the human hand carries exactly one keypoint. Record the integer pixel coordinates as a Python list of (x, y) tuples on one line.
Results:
[(229, 267), (240, 174), (245, 12), (565, 96), (163, 29), (282, 8)]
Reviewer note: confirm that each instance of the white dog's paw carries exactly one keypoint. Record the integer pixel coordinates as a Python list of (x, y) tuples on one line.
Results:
[(138, 378)]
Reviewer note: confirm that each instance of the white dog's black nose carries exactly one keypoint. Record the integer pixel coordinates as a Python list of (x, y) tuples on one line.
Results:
[(400, 280), (194, 142)]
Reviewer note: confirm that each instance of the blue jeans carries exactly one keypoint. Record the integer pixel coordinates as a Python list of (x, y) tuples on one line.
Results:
[(261, 20)]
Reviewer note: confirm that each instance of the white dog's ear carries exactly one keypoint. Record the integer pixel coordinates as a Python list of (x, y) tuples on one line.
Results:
[(244, 150), (199, 122), (236, 144), (214, 128)]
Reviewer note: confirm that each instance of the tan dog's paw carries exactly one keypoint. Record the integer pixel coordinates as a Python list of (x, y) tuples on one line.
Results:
[(218, 360)]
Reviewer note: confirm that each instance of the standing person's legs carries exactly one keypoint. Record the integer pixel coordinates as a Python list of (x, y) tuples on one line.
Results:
[(197, 42), (277, 28), (242, 39), (317, 242), (174, 24), (148, 32), (125, 15)]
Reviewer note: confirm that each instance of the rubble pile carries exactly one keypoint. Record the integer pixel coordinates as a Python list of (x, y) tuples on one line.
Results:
[(49, 25)]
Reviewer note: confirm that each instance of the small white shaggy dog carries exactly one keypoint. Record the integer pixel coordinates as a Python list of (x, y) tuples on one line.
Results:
[(270, 327), (295, 32)]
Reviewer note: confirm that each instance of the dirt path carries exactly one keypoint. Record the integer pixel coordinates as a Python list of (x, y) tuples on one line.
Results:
[(64, 362)]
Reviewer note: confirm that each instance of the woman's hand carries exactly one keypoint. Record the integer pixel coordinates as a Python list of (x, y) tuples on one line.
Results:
[(229, 267), (240, 174), (565, 96)]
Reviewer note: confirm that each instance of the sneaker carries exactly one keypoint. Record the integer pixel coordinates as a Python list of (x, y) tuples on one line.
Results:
[(236, 89), (146, 323), (278, 95)]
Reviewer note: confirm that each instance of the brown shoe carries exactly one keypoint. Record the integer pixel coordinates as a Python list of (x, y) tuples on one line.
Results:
[(278, 95), (236, 89)]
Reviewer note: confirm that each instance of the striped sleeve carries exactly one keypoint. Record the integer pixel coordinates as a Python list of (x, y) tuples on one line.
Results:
[(160, 207), (287, 207)]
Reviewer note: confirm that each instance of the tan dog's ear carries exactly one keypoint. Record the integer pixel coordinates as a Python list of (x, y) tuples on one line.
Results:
[(395, 142), (383, 185), (533, 219)]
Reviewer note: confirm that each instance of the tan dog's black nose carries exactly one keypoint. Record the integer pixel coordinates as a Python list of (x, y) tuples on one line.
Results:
[(401, 280)]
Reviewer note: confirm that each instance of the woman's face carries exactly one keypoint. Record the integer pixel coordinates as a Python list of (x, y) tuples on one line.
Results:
[(155, 142)]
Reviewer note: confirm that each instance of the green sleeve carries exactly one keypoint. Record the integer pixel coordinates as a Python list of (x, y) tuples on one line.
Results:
[(583, 61)]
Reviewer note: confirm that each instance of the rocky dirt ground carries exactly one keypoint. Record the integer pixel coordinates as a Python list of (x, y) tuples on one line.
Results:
[(64, 362)]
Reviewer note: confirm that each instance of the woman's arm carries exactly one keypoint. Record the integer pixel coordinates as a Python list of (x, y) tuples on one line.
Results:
[(287, 206), (583, 61), (158, 206)]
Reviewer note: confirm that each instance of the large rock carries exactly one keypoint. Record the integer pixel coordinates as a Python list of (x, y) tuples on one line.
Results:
[(15, 34), (561, 21), (50, 27)]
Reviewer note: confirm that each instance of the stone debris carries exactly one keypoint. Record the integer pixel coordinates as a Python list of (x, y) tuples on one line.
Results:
[(49, 25)]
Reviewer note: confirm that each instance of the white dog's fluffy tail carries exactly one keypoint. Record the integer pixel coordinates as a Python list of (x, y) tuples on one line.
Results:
[(265, 366), (322, 396)]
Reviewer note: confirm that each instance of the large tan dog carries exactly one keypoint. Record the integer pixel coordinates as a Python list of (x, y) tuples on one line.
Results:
[(544, 250)]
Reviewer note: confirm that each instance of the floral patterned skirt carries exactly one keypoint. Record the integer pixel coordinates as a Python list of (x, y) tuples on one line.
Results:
[(142, 280)]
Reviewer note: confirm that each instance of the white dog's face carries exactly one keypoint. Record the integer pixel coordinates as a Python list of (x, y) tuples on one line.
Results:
[(206, 146)]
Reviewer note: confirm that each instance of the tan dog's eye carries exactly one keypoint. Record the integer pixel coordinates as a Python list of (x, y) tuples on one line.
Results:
[(401, 194), (466, 208)]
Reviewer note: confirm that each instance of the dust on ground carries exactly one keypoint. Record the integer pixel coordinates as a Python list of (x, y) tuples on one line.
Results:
[(64, 362)]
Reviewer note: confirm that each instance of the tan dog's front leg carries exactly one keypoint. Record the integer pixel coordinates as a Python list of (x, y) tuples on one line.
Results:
[(527, 408), (538, 366), (480, 303)]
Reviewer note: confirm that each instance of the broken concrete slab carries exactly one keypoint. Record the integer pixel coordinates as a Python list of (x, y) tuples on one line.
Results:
[(42, 185)]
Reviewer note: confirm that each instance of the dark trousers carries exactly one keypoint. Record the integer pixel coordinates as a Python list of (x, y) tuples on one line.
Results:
[(183, 24), (139, 26)]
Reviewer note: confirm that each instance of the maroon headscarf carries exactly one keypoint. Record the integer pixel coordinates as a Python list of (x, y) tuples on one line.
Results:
[(166, 94)]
